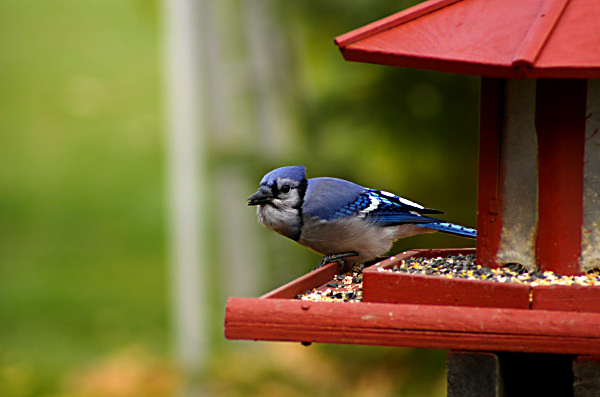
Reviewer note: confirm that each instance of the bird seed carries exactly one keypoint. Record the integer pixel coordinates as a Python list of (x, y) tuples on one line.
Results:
[(348, 287), (465, 267)]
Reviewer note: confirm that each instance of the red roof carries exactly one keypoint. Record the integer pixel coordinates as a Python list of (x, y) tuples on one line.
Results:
[(499, 38)]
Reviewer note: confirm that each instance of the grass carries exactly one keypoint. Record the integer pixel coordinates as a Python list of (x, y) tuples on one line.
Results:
[(82, 263)]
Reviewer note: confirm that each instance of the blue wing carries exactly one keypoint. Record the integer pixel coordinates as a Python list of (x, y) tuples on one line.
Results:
[(388, 209), (331, 198)]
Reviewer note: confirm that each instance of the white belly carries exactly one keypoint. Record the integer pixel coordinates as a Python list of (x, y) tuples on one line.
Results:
[(356, 234)]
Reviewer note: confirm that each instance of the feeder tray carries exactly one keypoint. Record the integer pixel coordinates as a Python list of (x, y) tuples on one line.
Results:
[(384, 286), (431, 312), (396, 287)]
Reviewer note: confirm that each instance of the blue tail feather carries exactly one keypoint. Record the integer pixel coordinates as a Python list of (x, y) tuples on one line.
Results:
[(451, 228)]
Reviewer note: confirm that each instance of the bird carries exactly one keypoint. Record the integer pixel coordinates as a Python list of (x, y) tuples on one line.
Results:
[(341, 220)]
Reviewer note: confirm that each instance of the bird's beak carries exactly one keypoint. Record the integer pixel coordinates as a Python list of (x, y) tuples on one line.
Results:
[(262, 196)]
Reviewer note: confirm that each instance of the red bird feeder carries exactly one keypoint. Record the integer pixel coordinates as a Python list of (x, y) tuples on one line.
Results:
[(539, 169), (538, 199)]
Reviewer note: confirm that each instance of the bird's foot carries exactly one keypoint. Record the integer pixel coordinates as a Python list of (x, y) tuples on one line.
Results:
[(335, 258)]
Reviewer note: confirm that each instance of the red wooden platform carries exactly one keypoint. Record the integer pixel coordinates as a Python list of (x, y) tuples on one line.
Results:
[(554, 122), (396, 287), (276, 316)]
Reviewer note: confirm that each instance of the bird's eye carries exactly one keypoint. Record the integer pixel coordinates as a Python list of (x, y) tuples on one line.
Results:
[(285, 188)]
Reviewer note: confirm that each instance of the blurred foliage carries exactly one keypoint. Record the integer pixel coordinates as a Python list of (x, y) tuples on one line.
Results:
[(285, 369), (378, 124), (82, 202), (82, 264)]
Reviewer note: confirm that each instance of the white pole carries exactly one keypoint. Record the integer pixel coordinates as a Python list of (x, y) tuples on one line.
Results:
[(186, 177)]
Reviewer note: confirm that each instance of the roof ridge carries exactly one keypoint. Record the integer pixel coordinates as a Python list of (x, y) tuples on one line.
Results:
[(392, 21), (538, 33)]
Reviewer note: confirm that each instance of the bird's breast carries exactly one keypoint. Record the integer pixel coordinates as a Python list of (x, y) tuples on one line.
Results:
[(283, 220)]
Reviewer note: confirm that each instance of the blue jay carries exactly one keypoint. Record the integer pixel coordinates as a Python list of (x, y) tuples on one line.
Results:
[(339, 219)]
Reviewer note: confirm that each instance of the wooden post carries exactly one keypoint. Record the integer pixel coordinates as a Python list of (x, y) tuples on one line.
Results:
[(518, 169), (507, 202), (489, 225), (520, 374), (560, 123), (473, 374), (586, 374), (538, 174), (590, 250)]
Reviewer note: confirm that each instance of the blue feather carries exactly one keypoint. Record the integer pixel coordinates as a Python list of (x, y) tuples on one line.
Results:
[(451, 228), (382, 208)]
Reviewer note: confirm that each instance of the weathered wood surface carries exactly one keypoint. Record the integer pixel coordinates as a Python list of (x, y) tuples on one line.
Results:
[(427, 326), (428, 311), (547, 38), (586, 376), (489, 194), (560, 122), (472, 374), (308, 281), (566, 298), (396, 287), (507, 374)]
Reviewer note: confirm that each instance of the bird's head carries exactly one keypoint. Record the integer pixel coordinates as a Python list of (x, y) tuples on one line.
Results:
[(282, 187)]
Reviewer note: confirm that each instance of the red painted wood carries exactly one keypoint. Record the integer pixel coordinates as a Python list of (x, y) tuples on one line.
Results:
[(574, 49), (358, 53), (405, 288), (539, 32), (489, 200), (566, 298), (388, 287), (457, 33), (428, 326), (305, 282), (389, 22), (455, 39), (547, 38), (560, 124), (400, 288)]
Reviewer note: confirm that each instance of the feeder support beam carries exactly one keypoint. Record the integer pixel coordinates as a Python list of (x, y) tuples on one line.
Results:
[(560, 122)]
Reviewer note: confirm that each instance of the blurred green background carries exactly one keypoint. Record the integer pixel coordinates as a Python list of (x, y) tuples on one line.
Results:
[(84, 289)]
